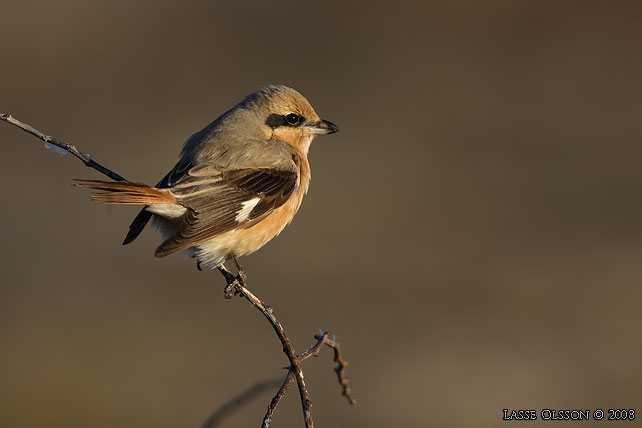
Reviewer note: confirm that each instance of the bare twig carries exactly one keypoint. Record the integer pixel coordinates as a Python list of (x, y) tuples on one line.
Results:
[(84, 157), (267, 419), (340, 370), (239, 286), (255, 390), (240, 400), (313, 351)]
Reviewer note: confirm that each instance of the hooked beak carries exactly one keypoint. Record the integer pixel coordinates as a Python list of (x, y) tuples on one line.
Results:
[(323, 127)]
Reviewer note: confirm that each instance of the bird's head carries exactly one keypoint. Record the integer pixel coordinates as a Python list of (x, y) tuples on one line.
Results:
[(287, 116)]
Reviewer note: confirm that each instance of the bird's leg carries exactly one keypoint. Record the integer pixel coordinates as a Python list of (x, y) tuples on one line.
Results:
[(229, 278), (241, 273), (231, 289), (234, 283)]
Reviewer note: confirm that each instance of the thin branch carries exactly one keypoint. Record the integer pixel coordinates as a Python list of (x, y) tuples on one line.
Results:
[(313, 351), (239, 286), (255, 390), (240, 400), (340, 370), (48, 139), (267, 419)]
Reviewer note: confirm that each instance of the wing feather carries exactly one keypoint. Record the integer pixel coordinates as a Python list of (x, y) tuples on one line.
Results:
[(215, 199)]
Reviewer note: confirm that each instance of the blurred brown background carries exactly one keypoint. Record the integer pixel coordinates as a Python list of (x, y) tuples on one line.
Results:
[(472, 236)]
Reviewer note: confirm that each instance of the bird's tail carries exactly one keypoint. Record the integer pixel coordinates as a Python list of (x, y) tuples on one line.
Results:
[(127, 192)]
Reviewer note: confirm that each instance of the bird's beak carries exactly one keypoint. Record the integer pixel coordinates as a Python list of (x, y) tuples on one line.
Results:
[(323, 127)]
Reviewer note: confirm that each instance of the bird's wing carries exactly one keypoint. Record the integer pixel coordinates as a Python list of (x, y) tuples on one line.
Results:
[(221, 200)]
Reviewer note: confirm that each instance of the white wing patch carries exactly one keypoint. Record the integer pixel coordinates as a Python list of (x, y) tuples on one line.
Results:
[(246, 209)]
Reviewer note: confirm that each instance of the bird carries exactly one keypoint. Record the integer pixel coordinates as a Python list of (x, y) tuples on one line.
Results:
[(238, 182)]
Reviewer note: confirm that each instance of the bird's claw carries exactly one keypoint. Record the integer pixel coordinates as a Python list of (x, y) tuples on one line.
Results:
[(233, 288)]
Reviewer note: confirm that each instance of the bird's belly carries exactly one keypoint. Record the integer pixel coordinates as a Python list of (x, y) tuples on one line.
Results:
[(239, 242)]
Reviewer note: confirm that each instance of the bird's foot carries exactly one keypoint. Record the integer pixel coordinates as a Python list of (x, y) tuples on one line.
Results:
[(232, 289), (234, 283)]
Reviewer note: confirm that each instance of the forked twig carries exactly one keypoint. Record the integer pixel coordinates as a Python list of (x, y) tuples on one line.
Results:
[(238, 286), (323, 338), (313, 351)]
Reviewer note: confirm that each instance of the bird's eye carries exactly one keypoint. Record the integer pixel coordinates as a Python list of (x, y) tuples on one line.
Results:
[(292, 119)]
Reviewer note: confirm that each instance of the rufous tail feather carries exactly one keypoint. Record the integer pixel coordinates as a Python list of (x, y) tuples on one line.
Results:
[(127, 192)]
